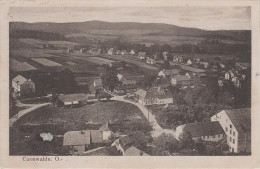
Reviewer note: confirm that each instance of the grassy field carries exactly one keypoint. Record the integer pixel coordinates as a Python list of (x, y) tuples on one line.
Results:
[(17, 66), (99, 61), (33, 53), (24, 134), (131, 60), (45, 62)]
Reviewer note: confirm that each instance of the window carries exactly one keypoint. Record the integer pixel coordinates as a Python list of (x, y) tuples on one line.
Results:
[(230, 126), (230, 139), (213, 136), (218, 135), (230, 131), (207, 137), (234, 133), (226, 129), (233, 141)]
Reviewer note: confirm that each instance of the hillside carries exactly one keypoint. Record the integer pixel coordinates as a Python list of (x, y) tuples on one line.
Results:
[(129, 29)]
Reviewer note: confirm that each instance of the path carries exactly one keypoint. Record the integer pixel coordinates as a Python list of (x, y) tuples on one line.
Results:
[(26, 111), (157, 130)]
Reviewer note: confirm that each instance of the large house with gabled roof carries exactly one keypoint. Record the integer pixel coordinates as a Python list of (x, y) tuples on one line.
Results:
[(22, 86), (237, 125)]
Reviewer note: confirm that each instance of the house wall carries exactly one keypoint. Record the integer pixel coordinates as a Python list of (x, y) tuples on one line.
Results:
[(229, 128), (106, 135), (244, 142), (214, 138)]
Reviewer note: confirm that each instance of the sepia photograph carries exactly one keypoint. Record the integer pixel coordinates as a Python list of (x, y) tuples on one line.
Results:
[(130, 81)]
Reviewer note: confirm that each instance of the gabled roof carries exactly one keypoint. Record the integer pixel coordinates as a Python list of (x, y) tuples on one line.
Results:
[(76, 138), (83, 137), (241, 118), (133, 151), (162, 82), (203, 129), (102, 151), (96, 136), (141, 93), (20, 79), (137, 139), (73, 97), (126, 81)]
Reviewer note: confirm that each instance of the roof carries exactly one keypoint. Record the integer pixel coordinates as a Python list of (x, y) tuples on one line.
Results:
[(141, 93), (96, 136), (73, 97), (181, 78), (126, 81), (163, 82), (203, 129), (169, 72), (133, 151), (101, 151), (20, 79), (76, 138), (141, 54), (105, 127), (241, 118), (83, 137), (137, 139), (192, 69)]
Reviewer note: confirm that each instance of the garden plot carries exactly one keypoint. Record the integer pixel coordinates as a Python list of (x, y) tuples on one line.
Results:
[(99, 61), (20, 66), (45, 62), (32, 53)]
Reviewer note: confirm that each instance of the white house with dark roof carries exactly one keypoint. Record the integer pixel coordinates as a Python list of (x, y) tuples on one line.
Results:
[(22, 86), (151, 97), (237, 125), (206, 131), (132, 52)]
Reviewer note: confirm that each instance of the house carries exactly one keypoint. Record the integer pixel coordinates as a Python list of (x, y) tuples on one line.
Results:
[(118, 52), (79, 141), (236, 81), (137, 139), (155, 56), (229, 75), (196, 60), (220, 82), (132, 52), (189, 62), (242, 65), (22, 86), (110, 51), (206, 131), (124, 52), (205, 64), (98, 83), (69, 50), (168, 72), (165, 55), (141, 55), (163, 83), (181, 80), (151, 97), (126, 86), (177, 59), (151, 61), (237, 125), (72, 99), (106, 131)]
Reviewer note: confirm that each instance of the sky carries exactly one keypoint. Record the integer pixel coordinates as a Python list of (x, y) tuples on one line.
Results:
[(209, 18)]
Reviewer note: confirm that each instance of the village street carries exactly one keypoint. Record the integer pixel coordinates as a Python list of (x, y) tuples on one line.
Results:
[(21, 113), (157, 130)]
